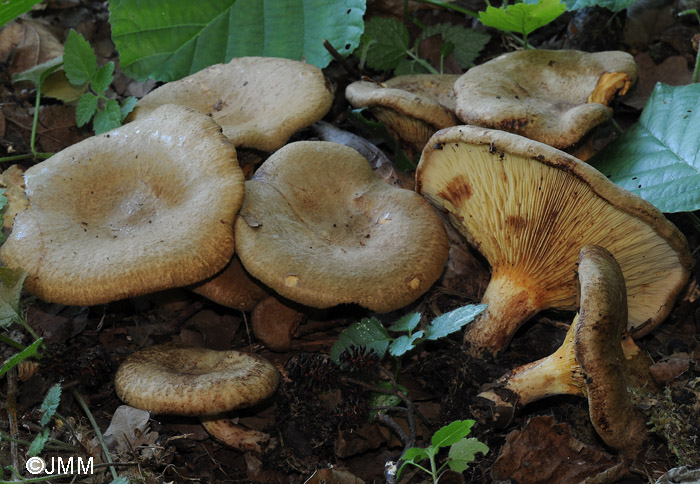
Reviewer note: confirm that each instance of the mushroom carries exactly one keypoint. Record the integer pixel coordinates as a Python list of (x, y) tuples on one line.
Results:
[(320, 229), (411, 107), (258, 101), (273, 323), (544, 94), (232, 287), (145, 207), (528, 208), (173, 379), (593, 361)]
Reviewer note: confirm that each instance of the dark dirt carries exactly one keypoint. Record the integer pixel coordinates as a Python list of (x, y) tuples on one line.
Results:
[(320, 414)]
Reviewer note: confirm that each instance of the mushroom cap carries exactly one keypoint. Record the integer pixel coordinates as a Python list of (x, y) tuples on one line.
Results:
[(232, 287), (258, 101), (178, 380), (145, 207), (541, 94), (603, 315), (528, 208), (320, 229), (411, 107)]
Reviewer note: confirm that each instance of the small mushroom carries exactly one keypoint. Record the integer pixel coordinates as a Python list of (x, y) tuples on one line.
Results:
[(528, 208), (258, 101), (594, 361), (145, 207), (232, 287), (411, 107), (273, 323), (552, 96), (320, 229), (177, 380)]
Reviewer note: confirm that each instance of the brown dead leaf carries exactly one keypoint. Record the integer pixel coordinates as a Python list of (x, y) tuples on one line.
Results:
[(545, 451), (333, 476), (12, 180), (673, 71), (29, 43), (429, 49)]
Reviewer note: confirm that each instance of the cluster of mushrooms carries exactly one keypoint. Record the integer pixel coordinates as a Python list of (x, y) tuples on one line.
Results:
[(162, 202)]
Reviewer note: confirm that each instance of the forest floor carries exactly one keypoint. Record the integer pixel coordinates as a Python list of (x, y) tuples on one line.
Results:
[(319, 415)]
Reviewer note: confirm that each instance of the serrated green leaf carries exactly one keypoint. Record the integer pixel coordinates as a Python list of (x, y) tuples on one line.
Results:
[(613, 5), (103, 78), (79, 60), (406, 323), (409, 66), (368, 333), (50, 404), (38, 73), (86, 108), (463, 452), (451, 433), (453, 321), (14, 8), (38, 443), (381, 400), (30, 351), (404, 344), (658, 158), (467, 43), (387, 41), (522, 18), (11, 282), (170, 39), (127, 106), (108, 118)]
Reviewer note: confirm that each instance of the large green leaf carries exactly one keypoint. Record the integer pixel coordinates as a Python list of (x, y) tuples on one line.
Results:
[(659, 157), (522, 18), (11, 9), (613, 5), (170, 39)]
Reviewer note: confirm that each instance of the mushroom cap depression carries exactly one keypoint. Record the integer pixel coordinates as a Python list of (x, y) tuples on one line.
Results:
[(412, 107), (529, 208), (320, 229), (258, 101), (543, 94), (178, 380), (145, 207)]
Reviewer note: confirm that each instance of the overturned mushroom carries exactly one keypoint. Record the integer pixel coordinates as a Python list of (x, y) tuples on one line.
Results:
[(528, 208), (411, 107), (593, 362), (151, 207), (552, 96), (258, 101), (320, 229), (177, 380)]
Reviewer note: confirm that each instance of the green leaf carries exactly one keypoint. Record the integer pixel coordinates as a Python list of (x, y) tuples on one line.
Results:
[(11, 281), (614, 5), (522, 17), (50, 404), (37, 74), (467, 43), (378, 399), (108, 118), (463, 453), (86, 108), (658, 158), (368, 333), (453, 321), (14, 8), (415, 454), (169, 39), (406, 323), (404, 344), (38, 443), (30, 351), (451, 433), (127, 106), (79, 60), (386, 40), (103, 78), (409, 66)]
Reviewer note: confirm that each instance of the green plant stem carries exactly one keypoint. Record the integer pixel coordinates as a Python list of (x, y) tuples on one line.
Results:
[(451, 6), (422, 62), (35, 124), (11, 342), (53, 444), (33, 479), (697, 67), (98, 433)]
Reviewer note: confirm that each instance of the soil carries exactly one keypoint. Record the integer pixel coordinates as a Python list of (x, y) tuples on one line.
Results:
[(320, 415)]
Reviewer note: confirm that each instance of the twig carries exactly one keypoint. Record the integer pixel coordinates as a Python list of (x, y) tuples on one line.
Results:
[(12, 414), (341, 60), (98, 433)]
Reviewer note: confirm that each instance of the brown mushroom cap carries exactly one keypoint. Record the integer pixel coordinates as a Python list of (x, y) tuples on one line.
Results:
[(528, 208), (178, 380), (232, 287), (320, 229), (145, 207), (258, 101), (542, 94), (411, 107)]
